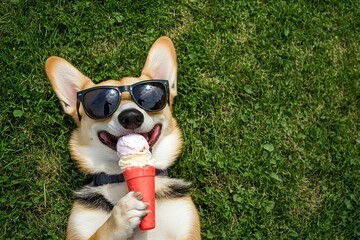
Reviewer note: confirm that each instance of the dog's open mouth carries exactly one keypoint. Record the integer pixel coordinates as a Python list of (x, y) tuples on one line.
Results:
[(110, 140)]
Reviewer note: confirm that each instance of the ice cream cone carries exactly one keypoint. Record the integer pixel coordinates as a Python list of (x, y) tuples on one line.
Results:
[(142, 179)]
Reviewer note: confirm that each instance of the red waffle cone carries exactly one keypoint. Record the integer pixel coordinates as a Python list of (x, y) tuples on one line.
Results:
[(142, 179)]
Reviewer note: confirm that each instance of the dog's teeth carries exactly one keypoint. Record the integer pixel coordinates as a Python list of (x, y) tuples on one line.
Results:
[(113, 138)]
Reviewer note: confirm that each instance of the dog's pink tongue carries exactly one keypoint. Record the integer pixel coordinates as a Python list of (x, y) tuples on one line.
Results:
[(131, 144)]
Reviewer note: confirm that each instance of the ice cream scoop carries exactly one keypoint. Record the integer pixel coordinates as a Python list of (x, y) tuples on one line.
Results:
[(131, 144), (133, 150), (139, 172)]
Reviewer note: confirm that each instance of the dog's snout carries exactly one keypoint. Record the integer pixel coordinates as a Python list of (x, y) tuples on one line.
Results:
[(131, 118)]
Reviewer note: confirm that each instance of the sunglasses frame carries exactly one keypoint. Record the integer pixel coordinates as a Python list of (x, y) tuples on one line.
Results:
[(120, 89)]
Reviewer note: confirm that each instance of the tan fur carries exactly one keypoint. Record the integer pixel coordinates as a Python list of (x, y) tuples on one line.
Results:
[(71, 230), (176, 217)]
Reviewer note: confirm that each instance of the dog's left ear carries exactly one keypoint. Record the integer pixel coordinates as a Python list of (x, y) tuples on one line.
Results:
[(161, 64), (66, 81)]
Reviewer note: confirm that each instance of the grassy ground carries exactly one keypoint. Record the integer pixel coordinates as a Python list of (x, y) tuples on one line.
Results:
[(269, 98)]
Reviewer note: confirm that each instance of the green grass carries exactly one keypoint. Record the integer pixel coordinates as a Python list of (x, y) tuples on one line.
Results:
[(268, 103)]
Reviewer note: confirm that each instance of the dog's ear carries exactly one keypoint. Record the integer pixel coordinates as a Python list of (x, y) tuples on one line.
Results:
[(161, 64), (66, 81)]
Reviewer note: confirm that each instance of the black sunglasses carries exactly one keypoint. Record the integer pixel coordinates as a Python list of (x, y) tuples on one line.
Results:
[(101, 102)]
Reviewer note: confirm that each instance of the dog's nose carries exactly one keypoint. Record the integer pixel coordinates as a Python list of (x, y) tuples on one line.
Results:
[(131, 118)]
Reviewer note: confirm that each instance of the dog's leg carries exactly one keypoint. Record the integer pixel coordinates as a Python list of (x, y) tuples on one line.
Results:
[(124, 218)]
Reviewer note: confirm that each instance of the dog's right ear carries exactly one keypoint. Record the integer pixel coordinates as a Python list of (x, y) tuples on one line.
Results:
[(161, 64), (66, 81)]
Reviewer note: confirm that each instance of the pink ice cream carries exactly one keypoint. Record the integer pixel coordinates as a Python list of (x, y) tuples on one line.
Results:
[(131, 144), (133, 150)]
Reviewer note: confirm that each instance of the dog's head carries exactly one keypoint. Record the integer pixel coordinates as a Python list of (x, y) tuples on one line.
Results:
[(93, 142)]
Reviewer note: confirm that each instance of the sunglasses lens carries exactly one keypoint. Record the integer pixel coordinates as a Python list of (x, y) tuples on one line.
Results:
[(150, 96), (100, 103)]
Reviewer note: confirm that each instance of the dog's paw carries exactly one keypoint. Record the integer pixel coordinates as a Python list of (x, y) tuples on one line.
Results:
[(128, 212)]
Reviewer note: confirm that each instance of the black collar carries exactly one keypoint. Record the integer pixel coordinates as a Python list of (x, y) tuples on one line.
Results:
[(100, 179)]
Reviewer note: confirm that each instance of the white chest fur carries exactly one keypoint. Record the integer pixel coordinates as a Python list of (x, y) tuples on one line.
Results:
[(175, 217)]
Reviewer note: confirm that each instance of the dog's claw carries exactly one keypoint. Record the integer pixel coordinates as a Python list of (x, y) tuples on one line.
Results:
[(138, 195), (147, 212)]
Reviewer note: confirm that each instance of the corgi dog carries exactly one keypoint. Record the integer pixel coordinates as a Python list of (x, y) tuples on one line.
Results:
[(104, 112)]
